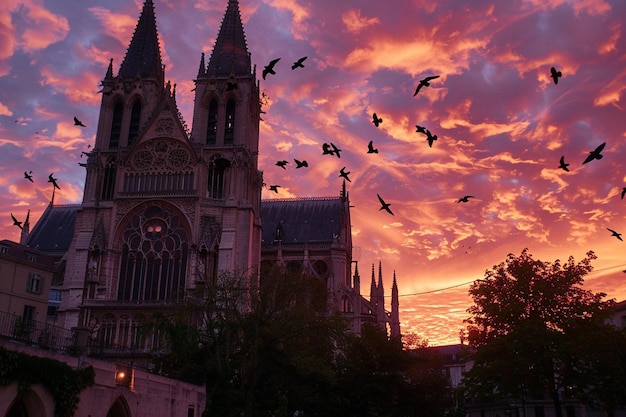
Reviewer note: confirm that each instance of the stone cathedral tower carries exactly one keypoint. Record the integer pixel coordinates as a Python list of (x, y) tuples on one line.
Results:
[(165, 209)]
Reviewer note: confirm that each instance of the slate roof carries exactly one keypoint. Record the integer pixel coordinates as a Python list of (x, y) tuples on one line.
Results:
[(230, 53), (143, 57), (54, 231), (315, 220), (21, 252)]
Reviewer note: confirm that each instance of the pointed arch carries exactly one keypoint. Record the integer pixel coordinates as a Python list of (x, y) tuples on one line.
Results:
[(135, 119), (108, 180), (216, 186), (119, 408), (116, 124), (211, 130), (27, 404), (229, 126)]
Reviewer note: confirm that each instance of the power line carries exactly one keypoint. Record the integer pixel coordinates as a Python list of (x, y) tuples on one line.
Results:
[(469, 282)]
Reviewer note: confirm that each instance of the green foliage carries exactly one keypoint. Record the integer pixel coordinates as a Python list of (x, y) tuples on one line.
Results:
[(64, 383), (531, 330)]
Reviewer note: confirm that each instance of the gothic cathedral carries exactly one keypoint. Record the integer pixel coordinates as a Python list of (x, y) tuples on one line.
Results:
[(166, 209)]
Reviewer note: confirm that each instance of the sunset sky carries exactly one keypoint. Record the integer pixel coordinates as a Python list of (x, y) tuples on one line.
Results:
[(502, 124)]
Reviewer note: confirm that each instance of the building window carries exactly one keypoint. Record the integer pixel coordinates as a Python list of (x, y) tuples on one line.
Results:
[(108, 330), (217, 172), (154, 257), (229, 128), (135, 117), (4, 249), (116, 125), (211, 131), (34, 283), (29, 314), (31, 257), (108, 182)]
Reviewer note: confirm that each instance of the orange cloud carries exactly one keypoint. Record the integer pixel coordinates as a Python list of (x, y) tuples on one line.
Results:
[(5, 111), (354, 22), (45, 29), (118, 25)]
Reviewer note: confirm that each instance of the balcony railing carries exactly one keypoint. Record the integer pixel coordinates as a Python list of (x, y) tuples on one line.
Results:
[(42, 334)]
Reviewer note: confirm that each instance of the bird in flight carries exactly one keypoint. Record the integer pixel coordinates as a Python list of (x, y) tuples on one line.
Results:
[(282, 164), (614, 233), (53, 181), (420, 129), (424, 83), (274, 188), (301, 164), (595, 154), (15, 222), (326, 149), (555, 75), (269, 68), (298, 63), (430, 138), (28, 176), (465, 199), (78, 122), (370, 147), (376, 120), (563, 165), (383, 205), (335, 150), (623, 192), (344, 174)]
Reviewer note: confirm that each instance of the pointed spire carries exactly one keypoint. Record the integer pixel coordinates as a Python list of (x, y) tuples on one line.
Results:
[(357, 279), (25, 229), (395, 309), (109, 73), (373, 286), (143, 57), (230, 53), (202, 68)]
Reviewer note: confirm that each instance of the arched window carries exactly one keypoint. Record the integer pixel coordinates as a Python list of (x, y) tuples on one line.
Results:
[(116, 125), (211, 130), (124, 331), (229, 128), (216, 187), (135, 117), (138, 338), (107, 330), (154, 257), (108, 181)]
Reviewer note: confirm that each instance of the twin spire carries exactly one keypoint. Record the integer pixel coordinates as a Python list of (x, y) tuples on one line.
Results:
[(230, 53)]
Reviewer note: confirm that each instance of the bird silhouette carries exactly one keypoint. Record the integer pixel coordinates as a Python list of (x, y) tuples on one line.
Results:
[(370, 147), (376, 120), (563, 165), (269, 68), (430, 138), (614, 233), (465, 199), (326, 149), (424, 83), (335, 150), (28, 176), (595, 154), (555, 75), (383, 205), (623, 192), (301, 164), (282, 164), (274, 188), (298, 63), (78, 122), (15, 222), (53, 181), (344, 174), (420, 129)]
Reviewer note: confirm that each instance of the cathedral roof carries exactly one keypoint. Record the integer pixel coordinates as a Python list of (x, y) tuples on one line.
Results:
[(54, 231), (230, 53), (314, 220), (143, 57)]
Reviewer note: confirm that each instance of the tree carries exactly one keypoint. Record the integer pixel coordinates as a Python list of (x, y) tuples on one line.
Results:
[(524, 329)]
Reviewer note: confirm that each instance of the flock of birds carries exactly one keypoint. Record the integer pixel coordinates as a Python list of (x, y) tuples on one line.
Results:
[(332, 149), (28, 175)]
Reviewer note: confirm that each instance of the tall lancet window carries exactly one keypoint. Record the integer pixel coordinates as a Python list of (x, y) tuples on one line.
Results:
[(216, 187), (154, 257), (211, 129), (229, 128), (116, 125), (135, 116), (108, 181)]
